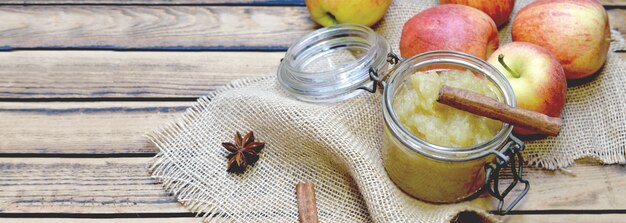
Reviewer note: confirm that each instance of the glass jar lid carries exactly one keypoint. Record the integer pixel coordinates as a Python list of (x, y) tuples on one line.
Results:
[(330, 64)]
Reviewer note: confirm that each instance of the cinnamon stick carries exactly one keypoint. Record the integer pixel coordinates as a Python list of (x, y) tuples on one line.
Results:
[(305, 192), (485, 106)]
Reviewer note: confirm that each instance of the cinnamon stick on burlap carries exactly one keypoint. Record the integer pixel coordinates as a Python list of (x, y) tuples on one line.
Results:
[(305, 192), (488, 107)]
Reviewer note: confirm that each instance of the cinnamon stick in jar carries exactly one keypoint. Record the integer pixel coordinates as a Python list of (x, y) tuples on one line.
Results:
[(488, 107), (305, 193)]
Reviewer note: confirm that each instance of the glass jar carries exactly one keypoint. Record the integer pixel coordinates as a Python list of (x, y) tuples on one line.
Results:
[(331, 64), (431, 172)]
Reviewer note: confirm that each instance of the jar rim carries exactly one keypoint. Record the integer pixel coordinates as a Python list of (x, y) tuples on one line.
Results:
[(341, 81), (432, 150), (304, 41)]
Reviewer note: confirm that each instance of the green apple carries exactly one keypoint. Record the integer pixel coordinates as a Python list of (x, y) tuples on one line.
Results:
[(332, 12), (536, 76)]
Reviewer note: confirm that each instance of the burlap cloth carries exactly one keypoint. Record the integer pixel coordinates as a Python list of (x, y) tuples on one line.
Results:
[(337, 147)]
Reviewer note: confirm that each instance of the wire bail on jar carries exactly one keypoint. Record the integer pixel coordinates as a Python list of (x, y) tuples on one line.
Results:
[(377, 80), (492, 170)]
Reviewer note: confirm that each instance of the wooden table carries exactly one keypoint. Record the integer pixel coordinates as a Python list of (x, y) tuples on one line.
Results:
[(83, 80)]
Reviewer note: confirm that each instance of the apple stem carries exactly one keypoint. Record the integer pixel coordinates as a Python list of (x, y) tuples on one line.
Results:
[(501, 60), (333, 18)]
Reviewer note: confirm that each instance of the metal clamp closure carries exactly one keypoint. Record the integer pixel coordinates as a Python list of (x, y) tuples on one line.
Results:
[(377, 80), (512, 153)]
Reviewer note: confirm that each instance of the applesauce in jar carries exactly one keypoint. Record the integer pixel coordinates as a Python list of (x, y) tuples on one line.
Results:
[(417, 109), (434, 152)]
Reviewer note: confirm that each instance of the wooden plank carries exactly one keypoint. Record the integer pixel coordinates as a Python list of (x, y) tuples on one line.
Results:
[(158, 2), (152, 27), (103, 74), (613, 2), (580, 187), (617, 18), (156, 27), (83, 128), (570, 218), (108, 220), (66, 185), (122, 185)]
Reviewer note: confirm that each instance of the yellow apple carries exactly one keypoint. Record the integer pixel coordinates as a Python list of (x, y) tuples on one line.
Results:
[(332, 12)]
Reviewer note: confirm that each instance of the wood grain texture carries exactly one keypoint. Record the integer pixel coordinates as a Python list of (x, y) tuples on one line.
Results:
[(110, 220), (613, 2), (65, 185), (567, 218), (102, 74), (158, 27), (83, 128), (122, 185), (617, 18), (152, 27), (581, 187)]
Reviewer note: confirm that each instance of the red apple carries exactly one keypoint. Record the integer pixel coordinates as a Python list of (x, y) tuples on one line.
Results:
[(498, 10), (575, 31), (449, 27), (536, 76)]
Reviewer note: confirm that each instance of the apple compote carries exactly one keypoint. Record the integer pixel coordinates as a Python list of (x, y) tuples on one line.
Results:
[(430, 177), (417, 109)]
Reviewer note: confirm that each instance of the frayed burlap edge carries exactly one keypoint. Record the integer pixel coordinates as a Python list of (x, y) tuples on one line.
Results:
[(618, 43)]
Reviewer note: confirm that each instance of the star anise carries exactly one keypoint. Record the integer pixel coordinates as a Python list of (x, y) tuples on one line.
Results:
[(244, 152)]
